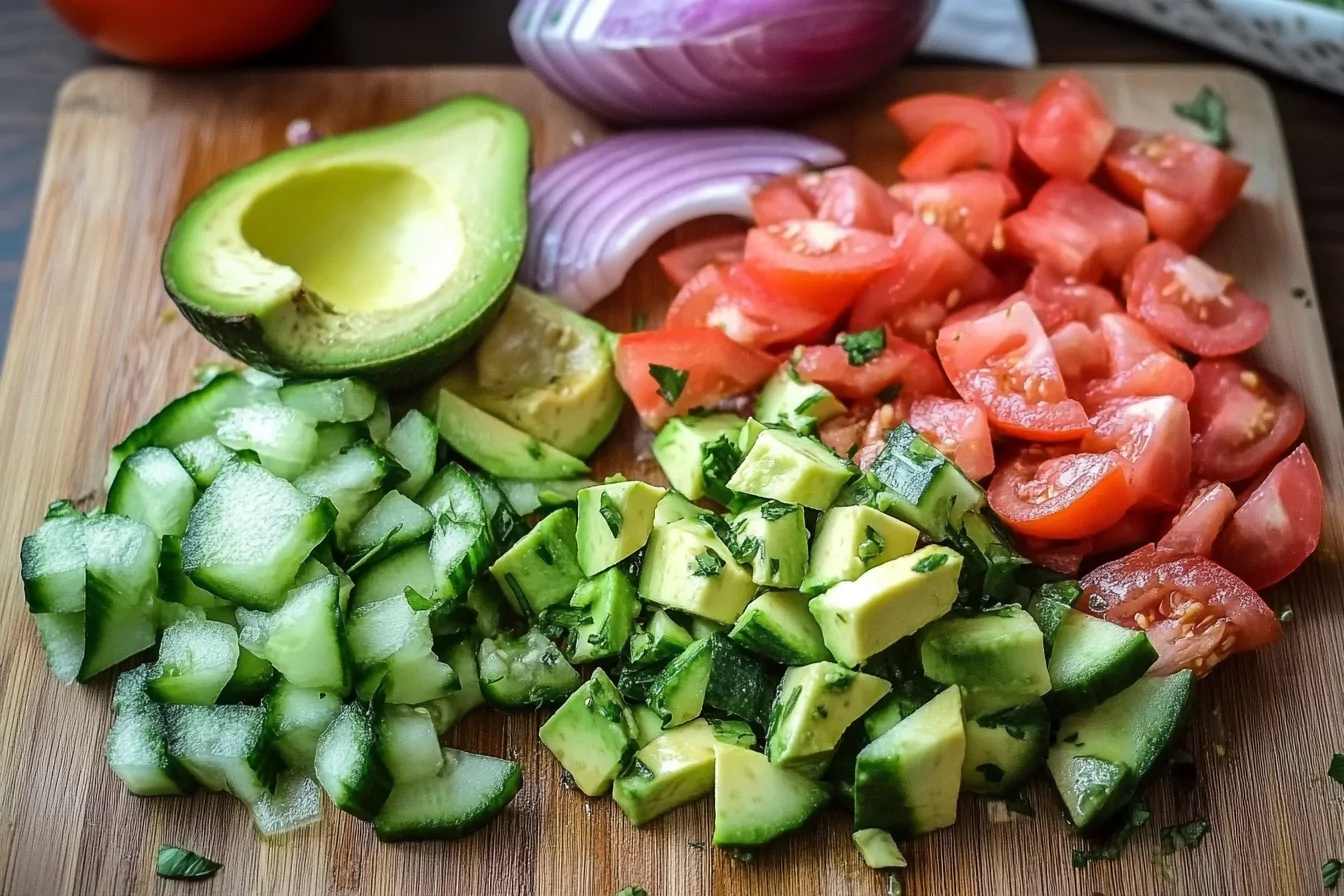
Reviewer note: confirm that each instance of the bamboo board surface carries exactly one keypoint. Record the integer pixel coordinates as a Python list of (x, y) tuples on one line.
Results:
[(96, 347)]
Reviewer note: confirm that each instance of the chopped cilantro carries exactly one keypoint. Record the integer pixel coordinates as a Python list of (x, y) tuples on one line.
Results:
[(792, 373), (176, 863), (864, 347), (775, 510), (930, 563), (1188, 835), (633, 891), (1115, 846), (719, 461), (535, 451), (1330, 873), (820, 712), (853, 450), (873, 545), (838, 679), (808, 402), (707, 564), (1337, 767), (1019, 805), (611, 514), (1209, 111), (745, 549), (1014, 720), (670, 380), (774, 567)]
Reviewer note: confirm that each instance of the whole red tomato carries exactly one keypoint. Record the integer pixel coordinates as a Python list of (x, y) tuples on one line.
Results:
[(189, 32)]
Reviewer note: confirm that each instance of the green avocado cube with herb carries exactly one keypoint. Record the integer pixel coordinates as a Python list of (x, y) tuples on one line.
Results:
[(675, 768), (611, 605), (751, 431), (1007, 738), (614, 522), (852, 540), (1000, 650), (793, 469), (542, 568), (681, 448), (788, 399), (675, 506), (756, 801), (658, 640), (592, 734), (886, 603), (772, 539), (815, 705), (778, 626), (686, 567)]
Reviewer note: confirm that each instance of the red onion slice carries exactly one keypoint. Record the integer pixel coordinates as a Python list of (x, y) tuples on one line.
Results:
[(595, 212)]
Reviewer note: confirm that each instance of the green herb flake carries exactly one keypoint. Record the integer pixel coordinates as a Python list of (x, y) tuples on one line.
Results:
[(774, 567), (1019, 806), (776, 510), (1115, 846), (806, 404), (792, 373), (820, 712), (930, 563), (671, 381), (864, 347), (745, 549), (1330, 873), (894, 887), (1188, 835), (873, 545), (707, 564), (611, 514), (853, 450), (544, 555), (1209, 111), (838, 679), (1286, 614), (176, 863), (993, 774), (633, 891), (696, 844), (1337, 767), (719, 460)]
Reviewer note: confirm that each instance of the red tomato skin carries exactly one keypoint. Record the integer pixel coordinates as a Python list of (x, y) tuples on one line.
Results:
[(900, 362), (1047, 492), (1153, 437), (717, 368), (1049, 238), (1120, 231), (1066, 130), (682, 263), (958, 429), (1277, 525), (782, 200), (849, 197), (730, 298), (817, 264), (170, 32), (1142, 365), (1242, 419), (917, 116), (947, 148), (1202, 517)]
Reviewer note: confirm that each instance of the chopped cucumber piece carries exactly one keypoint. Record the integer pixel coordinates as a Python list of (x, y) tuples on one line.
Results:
[(506, 526), (524, 671), (380, 421), (296, 803), (592, 734), (756, 802), (284, 440), (878, 848), (611, 606), (137, 745), (392, 648), (927, 490), (394, 522), (1000, 651), (51, 562), (658, 640), (448, 710), (353, 481), (333, 438), (223, 747), (1091, 660), (62, 638), (408, 743), (456, 492), (331, 401), (648, 724), (296, 718), (990, 571), (778, 626), (121, 587), (542, 569), (527, 496), (153, 488), (414, 445), (348, 765), (391, 576), (252, 678), (466, 793), (304, 638), (203, 458), (458, 550), (173, 582), (196, 660), (713, 672)]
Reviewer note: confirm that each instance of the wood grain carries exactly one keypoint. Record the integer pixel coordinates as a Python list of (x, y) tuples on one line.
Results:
[(93, 352)]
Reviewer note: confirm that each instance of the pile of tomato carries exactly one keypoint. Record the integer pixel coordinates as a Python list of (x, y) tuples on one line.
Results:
[(1049, 327)]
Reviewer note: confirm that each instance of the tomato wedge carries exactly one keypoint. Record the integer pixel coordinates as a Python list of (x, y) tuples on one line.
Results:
[(1277, 525), (918, 116), (1058, 299), (1051, 492), (684, 262), (1153, 436), (899, 363), (850, 198), (1184, 186), (1082, 356), (817, 264), (1242, 419), (1192, 304), (1003, 362), (1195, 612), (1142, 364), (1202, 516), (1048, 238), (1119, 230), (947, 148), (958, 429), (966, 206), (1066, 130), (731, 298), (782, 200), (1064, 557), (1135, 528), (709, 365)]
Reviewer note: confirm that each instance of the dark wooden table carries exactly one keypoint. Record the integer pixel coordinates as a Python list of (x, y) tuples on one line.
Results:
[(37, 54)]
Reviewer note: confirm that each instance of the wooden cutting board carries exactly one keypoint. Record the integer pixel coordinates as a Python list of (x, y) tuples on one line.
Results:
[(97, 346)]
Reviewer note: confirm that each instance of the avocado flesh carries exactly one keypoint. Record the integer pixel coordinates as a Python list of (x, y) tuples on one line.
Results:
[(384, 252), (546, 370)]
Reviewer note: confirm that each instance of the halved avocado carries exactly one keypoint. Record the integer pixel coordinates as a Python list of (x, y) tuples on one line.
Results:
[(384, 252), (547, 370)]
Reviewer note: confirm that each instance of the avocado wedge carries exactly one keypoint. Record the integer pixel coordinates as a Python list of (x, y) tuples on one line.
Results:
[(384, 252), (546, 370)]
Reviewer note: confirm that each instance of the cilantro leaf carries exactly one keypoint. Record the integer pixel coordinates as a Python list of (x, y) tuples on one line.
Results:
[(1330, 873), (930, 563), (774, 567), (176, 863), (1209, 111), (707, 564), (1188, 835), (864, 347), (719, 460), (1114, 847), (671, 381), (1337, 767), (776, 510), (611, 514), (873, 545), (633, 891)]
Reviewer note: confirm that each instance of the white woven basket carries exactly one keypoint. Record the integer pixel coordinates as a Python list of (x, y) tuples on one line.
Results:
[(1295, 37)]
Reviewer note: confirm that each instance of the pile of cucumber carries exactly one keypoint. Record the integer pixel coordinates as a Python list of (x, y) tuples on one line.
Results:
[(327, 593)]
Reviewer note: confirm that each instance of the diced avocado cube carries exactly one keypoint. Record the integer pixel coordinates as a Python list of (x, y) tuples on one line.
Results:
[(751, 431), (789, 399), (778, 626), (674, 506), (785, 467), (1102, 754), (713, 672), (1091, 660), (542, 568), (611, 606), (774, 536), (648, 724), (878, 848), (686, 567), (1000, 651), (852, 540), (592, 734), (614, 522), (658, 640), (756, 801), (1006, 741), (680, 449), (907, 780), (887, 602), (815, 704), (674, 768)]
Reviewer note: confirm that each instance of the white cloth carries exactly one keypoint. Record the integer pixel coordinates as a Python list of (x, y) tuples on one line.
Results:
[(995, 31)]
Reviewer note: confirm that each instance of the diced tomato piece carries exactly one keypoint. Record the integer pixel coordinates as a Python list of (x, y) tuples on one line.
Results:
[(1135, 528), (919, 323), (1120, 231), (1064, 557), (1066, 130), (782, 200), (1013, 110), (899, 363), (957, 429), (1141, 364), (732, 299), (844, 434), (1192, 304), (1052, 492), (1193, 531), (1195, 612), (715, 368), (1185, 187), (1277, 525), (817, 264), (1049, 238), (850, 198), (1243, 419), (1058, 299), (684, 262), (1153, 436), (966, 206), (918, 116), (1082, 356), (947, 148), (1003, 362)]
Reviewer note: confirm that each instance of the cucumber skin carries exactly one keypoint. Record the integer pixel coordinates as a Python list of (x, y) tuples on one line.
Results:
[(496, 802)]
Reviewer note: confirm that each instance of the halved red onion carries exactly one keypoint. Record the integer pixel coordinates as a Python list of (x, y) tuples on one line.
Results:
[(700, 60), (595, 212)]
